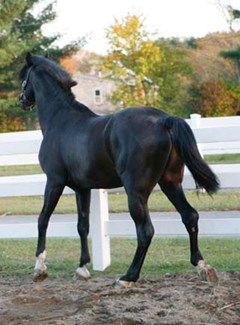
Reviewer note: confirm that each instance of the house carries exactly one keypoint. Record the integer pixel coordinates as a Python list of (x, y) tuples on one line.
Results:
[(92, 90)]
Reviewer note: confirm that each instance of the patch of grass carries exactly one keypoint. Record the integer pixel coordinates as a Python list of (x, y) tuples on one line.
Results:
[(223, 159), (20, 170), (222, 201), (32, 205), (165, 256), (159, 202)]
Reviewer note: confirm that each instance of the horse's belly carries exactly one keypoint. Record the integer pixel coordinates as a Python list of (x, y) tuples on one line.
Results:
[(95, 179)]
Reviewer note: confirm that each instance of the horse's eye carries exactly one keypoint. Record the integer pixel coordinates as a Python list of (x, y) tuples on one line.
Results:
[(24, 83)]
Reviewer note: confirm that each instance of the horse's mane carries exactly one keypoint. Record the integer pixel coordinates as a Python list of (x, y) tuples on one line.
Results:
[(57, 73), (51, 68)]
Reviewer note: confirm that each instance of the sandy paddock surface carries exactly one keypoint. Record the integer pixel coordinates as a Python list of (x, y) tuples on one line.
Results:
[(180, 299)]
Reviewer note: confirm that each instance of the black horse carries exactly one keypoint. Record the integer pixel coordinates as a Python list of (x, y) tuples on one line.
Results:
[(136, 148)]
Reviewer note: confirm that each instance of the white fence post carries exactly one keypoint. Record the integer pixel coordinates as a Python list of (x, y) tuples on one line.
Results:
[(101, 256), (195, 121)]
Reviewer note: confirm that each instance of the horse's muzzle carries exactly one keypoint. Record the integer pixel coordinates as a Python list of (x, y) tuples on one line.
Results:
[(24, 103)]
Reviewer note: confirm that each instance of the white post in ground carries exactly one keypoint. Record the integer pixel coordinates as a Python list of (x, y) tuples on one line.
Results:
[(195, 121), (101, 256), (196, 124)]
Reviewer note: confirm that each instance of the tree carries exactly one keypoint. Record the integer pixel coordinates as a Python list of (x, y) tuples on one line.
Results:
[(82, 61), (233, 55), (205, 61), (21, 32), (140, 66), (232, 16), (215, 98)]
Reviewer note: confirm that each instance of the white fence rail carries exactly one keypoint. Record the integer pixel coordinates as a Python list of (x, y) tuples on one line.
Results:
[(214, 136)]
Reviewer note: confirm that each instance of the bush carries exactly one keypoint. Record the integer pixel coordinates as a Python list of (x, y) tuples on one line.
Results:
[(12, 118), (215, 98)]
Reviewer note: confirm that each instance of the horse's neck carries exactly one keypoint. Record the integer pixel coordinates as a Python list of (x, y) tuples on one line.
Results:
[(50, 100)]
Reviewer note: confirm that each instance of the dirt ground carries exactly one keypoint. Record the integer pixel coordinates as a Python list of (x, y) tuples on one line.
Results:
[(172, 300)]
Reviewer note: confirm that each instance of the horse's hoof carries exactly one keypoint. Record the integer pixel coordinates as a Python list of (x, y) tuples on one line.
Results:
[(123, 284), (40, 276), (81, 273), (207, 273)]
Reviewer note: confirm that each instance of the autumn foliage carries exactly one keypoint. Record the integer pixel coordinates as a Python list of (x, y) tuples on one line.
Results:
[(70, 63), (216, 98), (146, 72)]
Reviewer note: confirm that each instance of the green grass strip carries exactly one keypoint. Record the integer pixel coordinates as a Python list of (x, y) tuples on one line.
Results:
[(222, 201), (165, 256)]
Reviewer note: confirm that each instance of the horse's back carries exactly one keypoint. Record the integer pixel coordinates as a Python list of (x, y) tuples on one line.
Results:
[(143, 127)]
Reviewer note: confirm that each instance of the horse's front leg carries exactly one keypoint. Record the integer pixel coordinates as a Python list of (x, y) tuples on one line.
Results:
[(51, 197), (83, 203)]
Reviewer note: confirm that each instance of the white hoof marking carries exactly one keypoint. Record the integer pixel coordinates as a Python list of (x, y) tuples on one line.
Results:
[(201, 265), (40, 265), (82, 272), (123, 284)]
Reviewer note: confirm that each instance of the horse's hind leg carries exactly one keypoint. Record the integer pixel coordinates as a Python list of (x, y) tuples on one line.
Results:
[(83, 204), (51, 197), (190, 219), (140, 215)]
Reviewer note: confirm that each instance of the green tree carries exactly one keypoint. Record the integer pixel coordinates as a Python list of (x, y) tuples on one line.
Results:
[(175, 72), (20, 32), (140, 66), (233, 55)]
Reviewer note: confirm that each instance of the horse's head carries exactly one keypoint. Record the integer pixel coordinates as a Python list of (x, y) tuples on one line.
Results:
[(36, 64), (27, 96)]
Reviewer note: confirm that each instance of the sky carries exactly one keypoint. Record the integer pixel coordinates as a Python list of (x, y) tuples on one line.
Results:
[(167, 18)]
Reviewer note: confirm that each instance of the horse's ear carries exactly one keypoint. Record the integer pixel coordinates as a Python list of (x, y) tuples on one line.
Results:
[(72, 83), (29, 59), (47, 55)]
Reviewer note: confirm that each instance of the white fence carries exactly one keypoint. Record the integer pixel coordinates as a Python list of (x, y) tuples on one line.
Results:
[(214, 136)]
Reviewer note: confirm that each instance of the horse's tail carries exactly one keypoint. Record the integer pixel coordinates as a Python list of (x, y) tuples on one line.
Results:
[(185, 144)]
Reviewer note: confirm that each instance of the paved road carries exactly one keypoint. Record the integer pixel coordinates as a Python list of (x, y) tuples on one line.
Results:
[(216, 223)]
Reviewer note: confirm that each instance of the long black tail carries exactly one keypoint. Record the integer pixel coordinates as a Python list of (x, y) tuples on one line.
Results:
[(186, 147)]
